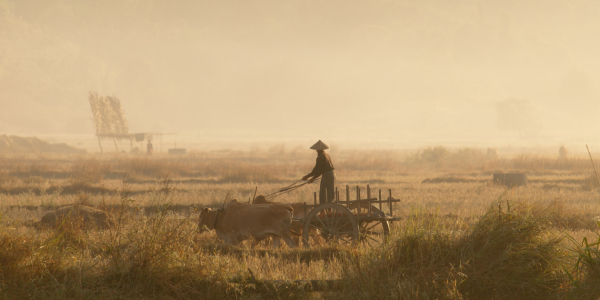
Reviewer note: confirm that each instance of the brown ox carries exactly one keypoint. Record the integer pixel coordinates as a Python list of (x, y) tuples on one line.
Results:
[(299, 213), (237, 222)]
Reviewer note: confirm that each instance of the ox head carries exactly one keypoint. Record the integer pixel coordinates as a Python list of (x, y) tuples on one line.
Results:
[(207, 219), (260, 199)]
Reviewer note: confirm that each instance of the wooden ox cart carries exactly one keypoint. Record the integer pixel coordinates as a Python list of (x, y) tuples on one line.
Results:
[(348, 222)]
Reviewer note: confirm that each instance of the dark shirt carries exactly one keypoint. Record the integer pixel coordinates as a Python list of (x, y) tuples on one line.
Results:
[(323, 165)]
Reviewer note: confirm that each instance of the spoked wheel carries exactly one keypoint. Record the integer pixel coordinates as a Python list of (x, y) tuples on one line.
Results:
[(373, 231), (330, 223)]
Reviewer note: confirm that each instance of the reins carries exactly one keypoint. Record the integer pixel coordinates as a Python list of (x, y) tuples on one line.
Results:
[(294, 186)]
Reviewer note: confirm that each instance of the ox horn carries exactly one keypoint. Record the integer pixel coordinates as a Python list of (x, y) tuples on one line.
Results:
[(255, 190), (226, 197)]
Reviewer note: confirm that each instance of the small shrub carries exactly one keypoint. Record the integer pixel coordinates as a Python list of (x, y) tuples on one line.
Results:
[(434, 154), (467, 154), (562, 153)]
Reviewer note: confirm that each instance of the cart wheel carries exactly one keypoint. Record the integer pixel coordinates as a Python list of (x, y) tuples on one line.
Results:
[(372, 232), (331, 223)]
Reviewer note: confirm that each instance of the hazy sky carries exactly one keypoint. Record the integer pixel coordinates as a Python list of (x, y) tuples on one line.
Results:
[(434, 70)]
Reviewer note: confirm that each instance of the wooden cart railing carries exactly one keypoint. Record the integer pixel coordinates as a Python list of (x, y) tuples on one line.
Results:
[(350, 220)]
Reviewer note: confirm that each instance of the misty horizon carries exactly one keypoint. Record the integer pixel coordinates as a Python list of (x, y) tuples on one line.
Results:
[(477, 72)]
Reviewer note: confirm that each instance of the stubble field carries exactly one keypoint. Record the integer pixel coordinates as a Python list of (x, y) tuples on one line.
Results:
[(461, 236)]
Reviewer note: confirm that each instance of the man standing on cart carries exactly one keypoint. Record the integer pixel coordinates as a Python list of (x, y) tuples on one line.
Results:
[(324, 168)]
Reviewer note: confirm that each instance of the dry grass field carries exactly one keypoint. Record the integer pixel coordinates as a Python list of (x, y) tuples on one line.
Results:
[(461, 236)]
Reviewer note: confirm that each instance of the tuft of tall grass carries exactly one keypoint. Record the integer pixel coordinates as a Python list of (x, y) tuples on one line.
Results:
[(512, 256), (15, 250), (585, 273), (141, 257), (139, 243), (504, 255)]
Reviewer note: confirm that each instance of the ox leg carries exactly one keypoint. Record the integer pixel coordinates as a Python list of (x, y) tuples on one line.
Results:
[(288, 240), (276, 242), (296, 232), (235, 241), (296, 237), (255, 242)]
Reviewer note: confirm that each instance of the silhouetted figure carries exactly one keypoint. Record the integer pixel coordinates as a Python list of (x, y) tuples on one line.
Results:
[(149, 148), (324, 168)]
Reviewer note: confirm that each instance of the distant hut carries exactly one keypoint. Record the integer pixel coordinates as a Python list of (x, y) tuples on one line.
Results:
[(510, 179)]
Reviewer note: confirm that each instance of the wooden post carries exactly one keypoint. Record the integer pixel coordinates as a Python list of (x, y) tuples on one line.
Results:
[(369, 197), (305, 209), (358, 198), (390, 202), (358, 209), (337, 199), (347, 196), (115, 140), (380, 199), (315, 199)]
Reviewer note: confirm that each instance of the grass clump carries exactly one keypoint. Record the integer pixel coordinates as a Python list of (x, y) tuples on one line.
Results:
[(15, 250), (511, 256), (504, 255), (138, 257), (585, 273)]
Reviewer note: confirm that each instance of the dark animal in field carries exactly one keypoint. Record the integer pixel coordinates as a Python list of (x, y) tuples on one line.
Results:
[(510, 179), (80, 216)]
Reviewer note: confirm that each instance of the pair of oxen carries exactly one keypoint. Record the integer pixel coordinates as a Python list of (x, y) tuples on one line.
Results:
[(236, 222)]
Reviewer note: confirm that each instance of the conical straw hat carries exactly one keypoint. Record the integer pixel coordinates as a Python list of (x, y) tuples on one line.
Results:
[(319, 146)]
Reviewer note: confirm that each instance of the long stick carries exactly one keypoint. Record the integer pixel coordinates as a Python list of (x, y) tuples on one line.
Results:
[(286, 189), (597, 179)]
